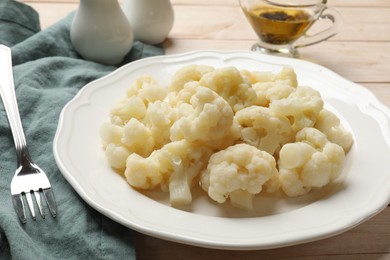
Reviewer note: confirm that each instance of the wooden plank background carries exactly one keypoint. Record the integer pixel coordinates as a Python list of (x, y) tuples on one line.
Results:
[(360, 52), (228, 29)]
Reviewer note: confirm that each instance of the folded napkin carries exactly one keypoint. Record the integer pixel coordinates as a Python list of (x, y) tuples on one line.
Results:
[(48, 73)]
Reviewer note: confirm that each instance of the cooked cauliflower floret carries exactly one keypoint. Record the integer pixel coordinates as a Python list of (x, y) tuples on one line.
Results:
[(116, 153), (329, 124), (110, 133), (117, 156), (143, 173), (183, 161), (127, 108), (311, 162), (257, 76), (238, 173), (229, 84), (269, 91), (183, 96), (144, 91), (312, 136), (301, 107), (262, 129), (277, 86), (148, 89), (137, 138), (187, 74), (209, 120), (174, 168), (159, 118), (286, 74)]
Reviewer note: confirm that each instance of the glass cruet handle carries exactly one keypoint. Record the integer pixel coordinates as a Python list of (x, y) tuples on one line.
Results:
[(327, 14)]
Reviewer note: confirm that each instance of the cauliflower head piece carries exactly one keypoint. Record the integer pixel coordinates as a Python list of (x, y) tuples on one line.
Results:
[(140, 136), (238, 173), (117, 156), (231, 85), (208, 119), (269, 91), (145, 90), (174, 168), (189, 73), (127, 108), (144, 173), (120, 141), (110, 133), (148, 89), (183, 96), (270, 87), (286, 74), (301, 107), (137, 138), (139, 123), (261, 128), (328, 123), (159, 118), (311, 162)]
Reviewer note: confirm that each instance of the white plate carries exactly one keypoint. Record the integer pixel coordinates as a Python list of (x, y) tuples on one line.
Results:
[(363, 189)]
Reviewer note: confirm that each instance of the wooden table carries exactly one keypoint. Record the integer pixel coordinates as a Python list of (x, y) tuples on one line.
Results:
[(360, 53)]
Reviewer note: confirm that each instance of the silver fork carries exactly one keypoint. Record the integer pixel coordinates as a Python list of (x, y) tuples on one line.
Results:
[(29, 180)]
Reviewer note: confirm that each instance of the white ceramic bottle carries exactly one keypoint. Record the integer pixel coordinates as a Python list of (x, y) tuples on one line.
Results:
[(151, 20), (101, 32)]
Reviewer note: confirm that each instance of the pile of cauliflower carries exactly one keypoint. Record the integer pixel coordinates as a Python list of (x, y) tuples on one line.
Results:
[(235, 133)]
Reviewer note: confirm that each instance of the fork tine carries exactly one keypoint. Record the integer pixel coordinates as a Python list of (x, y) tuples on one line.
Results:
[(19, 207), (39, 203), (51, 203), (30, 204)]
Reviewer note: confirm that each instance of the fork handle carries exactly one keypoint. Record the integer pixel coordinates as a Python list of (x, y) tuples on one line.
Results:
[(7, 91)]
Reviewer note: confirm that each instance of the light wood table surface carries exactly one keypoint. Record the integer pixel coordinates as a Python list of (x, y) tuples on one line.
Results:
[(360, 52)]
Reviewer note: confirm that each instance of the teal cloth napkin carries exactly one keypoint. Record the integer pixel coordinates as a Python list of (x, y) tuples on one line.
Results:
[(48, 72)]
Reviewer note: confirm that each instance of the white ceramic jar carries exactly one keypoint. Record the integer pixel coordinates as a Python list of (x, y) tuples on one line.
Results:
[(101, 32), (151, 20)]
